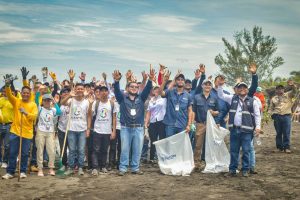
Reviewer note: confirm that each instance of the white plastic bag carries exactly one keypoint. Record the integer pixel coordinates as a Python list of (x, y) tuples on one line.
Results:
[(175, 155), (217, 157)]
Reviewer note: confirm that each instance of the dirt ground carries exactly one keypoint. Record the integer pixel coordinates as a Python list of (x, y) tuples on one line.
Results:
[(278, 178)]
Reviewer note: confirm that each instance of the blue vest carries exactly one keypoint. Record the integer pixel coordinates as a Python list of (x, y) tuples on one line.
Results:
[(248, 122)]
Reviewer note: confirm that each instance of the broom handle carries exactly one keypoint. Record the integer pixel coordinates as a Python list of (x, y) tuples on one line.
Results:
[(20, 148), (67, 130)]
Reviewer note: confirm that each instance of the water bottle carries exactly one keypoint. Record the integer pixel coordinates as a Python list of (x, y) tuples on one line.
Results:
[(258, 140)]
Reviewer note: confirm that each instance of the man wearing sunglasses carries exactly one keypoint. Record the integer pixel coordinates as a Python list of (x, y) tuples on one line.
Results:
[(132, 121)]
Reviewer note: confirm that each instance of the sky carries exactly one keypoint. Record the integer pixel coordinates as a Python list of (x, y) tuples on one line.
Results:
[(103, 35)]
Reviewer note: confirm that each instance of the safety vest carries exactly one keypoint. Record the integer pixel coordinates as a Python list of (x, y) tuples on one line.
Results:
[(248, 122)]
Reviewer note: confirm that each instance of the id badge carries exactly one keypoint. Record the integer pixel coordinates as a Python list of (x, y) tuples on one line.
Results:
[(177, 107), (133, 112)]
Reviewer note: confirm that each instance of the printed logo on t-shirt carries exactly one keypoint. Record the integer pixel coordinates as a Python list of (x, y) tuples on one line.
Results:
[(103, 113), (77, 113), (47, 117), (118, 115)]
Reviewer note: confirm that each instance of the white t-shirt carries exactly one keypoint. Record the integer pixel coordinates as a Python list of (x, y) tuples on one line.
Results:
[(46, 119), (63, 119), (117, 108), (78, 121), (103, 121)]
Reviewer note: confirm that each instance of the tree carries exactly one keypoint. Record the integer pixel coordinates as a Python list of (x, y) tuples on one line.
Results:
[(249, 48)]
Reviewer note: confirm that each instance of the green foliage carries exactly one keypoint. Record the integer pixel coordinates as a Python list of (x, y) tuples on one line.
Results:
[(249, 48)]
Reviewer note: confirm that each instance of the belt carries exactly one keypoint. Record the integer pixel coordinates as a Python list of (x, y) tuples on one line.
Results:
[(5, 124), (237, 127), (133, 125)]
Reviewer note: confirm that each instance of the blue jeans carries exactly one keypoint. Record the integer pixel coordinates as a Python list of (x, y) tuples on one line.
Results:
[(131, 138), (239, 139), (252, 155), (4, 138), (14, 142), (76, 142), (172, 130), (282, 125)]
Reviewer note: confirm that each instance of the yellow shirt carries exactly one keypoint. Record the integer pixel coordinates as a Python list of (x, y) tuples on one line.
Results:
[(282, 105), (27, 120), (6, 111)]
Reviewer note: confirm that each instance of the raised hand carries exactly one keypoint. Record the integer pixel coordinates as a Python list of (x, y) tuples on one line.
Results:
[(8, 79), (24, 72), (53, 76), (94, 80), (144, 75), (197, 74), (71, 74), (128, 75), (91, 98), (167, 75), (82, 76), (210, 77), (202, 68), (56, 99), (290, 82), (162, 68), (252, 68), (104, 75), (117, 75), (33, 79), (151, 75), (45, 72)]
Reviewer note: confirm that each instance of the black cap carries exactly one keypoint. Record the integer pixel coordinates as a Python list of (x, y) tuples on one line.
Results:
[(279, 87), (188, 81), (66, 89), (180, 76)]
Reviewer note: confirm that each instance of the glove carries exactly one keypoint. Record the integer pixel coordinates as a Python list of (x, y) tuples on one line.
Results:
[(25, 72), (8, 79), (53, 76)]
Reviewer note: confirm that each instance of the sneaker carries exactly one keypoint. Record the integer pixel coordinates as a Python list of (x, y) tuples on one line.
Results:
[(253, 171), (137, 172), (80, 171), (40, 173), (245, 174), (104, 170), (51, 172), (33, 168), (4, 165), (287, 151), (230, 174), (23, 175), (69, 172), (121, 173), (280, 150), (7, 176), (95, 172)]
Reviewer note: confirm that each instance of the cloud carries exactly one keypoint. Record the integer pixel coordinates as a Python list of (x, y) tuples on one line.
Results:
[(170, 23)]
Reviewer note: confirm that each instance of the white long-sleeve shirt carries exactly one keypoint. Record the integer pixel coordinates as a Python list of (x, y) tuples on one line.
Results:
[(238, 115)]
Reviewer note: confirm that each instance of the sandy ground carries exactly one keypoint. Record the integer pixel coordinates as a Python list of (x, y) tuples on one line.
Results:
[(278, 178)]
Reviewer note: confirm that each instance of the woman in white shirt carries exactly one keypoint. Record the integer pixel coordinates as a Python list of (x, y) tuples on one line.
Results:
[(46, 132), (154, 117)]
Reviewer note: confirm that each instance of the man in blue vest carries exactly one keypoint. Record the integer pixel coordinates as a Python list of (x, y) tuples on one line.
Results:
[(132, 121), (244, 118)]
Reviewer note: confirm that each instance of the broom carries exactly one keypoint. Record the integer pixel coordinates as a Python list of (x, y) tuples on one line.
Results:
[(20, 149), (60, 164)]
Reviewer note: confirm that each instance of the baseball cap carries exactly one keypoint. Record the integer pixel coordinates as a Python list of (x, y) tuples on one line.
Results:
[(47, 96)]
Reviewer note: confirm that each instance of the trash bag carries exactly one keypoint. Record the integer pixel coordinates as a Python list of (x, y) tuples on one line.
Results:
[(175, 155), (217, 157)]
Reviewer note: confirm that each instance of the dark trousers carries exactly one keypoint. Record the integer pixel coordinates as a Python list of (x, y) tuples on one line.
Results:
[(156, 130), (115, 149), (89, 143), (100, 149), (4, 139), (33, 152), (61, 138), (14, 142), (282, 125)]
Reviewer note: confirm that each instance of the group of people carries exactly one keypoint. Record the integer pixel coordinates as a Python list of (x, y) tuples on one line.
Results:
[(105, 125)]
